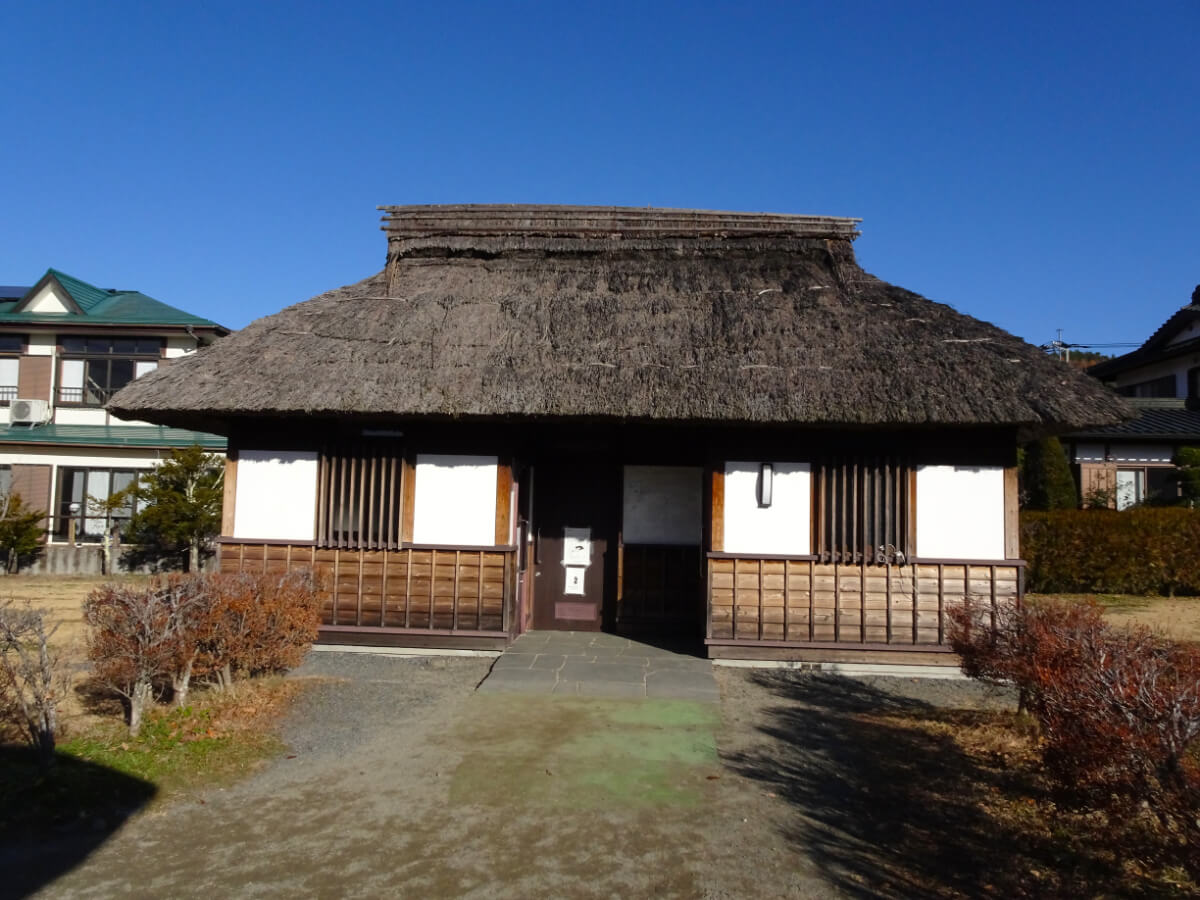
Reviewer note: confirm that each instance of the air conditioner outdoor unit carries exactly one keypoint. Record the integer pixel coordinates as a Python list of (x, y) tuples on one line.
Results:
[(29, 412)]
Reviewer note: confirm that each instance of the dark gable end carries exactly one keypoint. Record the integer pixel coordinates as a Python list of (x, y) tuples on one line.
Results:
[(619, 314)]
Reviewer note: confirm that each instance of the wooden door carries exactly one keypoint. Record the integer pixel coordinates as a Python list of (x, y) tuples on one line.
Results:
[(574, 514)]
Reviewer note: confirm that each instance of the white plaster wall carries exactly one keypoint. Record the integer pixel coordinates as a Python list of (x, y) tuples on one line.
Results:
[(455, 500), (960, 512), (276, 496), (662, 505), (783, 527)]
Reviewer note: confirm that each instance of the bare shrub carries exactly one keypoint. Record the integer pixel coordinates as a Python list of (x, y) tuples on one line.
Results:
[(1117, 709), (187, 625), (259, 623), (31, 680), (139, 635)]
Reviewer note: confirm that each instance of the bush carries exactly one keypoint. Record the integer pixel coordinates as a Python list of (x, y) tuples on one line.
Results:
[(20, 530), (259, 623), (1138, 551), (200, 624), (1046, 479), (1117, 709), (137, 635), (31, 681)]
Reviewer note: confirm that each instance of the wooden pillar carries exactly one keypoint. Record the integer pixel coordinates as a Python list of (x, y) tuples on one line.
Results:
[(1012, 521), (229, 500), (716, 508), (409, 496), (504, 504)]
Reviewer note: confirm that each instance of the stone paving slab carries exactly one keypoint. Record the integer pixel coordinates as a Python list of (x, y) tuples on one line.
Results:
[(591, 664)]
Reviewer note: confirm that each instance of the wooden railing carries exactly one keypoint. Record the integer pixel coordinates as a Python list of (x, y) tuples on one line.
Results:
[(801, 601), (430, 590)]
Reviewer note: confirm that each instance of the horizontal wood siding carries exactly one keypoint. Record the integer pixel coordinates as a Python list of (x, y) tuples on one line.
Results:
[(421, 590), (803, 601)]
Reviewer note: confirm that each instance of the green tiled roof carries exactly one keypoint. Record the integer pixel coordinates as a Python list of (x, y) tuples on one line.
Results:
[(136, 436), (104, 307), (88, 296)]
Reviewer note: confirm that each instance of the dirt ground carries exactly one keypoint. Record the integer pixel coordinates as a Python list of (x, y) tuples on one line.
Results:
[(402, 781)]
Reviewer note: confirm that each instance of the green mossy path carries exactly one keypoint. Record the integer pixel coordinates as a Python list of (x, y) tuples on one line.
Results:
[(583, 753)]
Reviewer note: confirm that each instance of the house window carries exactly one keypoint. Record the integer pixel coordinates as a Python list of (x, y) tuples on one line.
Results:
[(1155, 387), (5, 480), (81, 493), (1149, 484), (11, 348), (358, 495), (95, 368), (863, 507)]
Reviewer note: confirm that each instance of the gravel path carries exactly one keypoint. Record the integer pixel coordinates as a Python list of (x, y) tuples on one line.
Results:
[(401, 780)]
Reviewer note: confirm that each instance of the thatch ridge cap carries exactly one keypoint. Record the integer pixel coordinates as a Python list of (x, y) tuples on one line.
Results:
[(431, 220)]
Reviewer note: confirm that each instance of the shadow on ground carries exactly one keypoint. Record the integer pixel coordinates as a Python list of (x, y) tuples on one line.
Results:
[(50, 821), (889, 811)]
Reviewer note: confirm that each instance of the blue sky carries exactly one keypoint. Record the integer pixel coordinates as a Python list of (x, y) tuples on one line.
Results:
[(1036, 165)]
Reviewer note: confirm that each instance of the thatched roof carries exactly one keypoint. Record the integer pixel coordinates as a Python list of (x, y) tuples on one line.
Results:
[(623, 314)]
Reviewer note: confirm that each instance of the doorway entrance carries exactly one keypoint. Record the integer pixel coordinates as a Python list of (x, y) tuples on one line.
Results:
[(574, 536)]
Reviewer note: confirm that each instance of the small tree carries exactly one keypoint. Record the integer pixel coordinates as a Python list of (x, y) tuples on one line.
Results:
[(1187, 461), (179, 505), (31, 681), (1047, 482), (139, 635), (20, 530)]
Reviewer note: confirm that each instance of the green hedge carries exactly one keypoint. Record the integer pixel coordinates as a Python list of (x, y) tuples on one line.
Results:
[(1139, 551)]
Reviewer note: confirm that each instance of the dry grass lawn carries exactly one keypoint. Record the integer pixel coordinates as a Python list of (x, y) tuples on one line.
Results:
[(63, 595), (1177, 617)]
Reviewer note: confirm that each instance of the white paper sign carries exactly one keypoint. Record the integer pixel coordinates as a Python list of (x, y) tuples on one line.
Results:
[(574, 580), (577, 546)]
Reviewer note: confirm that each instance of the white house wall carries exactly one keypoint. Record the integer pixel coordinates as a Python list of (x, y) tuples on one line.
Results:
[(276, 495), (109, 459), (662, 505), (50, 300), (72, 415), (960, 512), (1177, 367), (179, 346), (41, 344), (454, 501), (783, 527)]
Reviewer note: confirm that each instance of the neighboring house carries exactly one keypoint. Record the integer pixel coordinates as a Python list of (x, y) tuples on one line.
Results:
[(697, 424), (65, 348), (1133, 462)]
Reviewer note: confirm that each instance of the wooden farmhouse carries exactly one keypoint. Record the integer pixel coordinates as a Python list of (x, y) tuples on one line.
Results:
[(698, 425)]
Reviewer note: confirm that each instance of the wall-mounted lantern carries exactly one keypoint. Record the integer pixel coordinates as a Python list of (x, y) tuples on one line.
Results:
[(766, 478)]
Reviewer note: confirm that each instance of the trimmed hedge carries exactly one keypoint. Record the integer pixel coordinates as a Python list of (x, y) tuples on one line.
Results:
[(1139, 551)]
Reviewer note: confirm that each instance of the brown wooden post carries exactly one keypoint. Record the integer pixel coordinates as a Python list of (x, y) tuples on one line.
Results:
[(229, 499), (1012, 520), (504, 481), (717, 508), (454, 613), (409, 493)]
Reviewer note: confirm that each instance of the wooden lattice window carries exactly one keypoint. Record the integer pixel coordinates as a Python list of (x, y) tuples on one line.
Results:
[(864, 510), (359, 499)]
